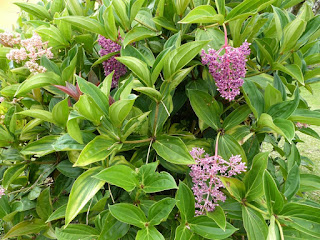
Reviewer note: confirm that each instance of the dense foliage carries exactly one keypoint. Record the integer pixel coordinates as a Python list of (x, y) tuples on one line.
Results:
[(170, 144)]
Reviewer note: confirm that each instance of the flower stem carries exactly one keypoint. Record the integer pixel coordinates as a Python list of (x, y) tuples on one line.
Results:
[(225, 36), (217, 145), (280, 229)]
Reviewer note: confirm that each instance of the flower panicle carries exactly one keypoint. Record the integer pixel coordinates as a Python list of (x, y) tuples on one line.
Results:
[(205, 177), (229, 69), (108, 46), (31, 50), (8, 39)]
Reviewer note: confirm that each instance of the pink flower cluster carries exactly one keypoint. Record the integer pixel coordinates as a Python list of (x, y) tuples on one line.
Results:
[(108, 46), (31, 50), (9, 40), (205, 177), (302, 125), (227, 69), (2, 190)]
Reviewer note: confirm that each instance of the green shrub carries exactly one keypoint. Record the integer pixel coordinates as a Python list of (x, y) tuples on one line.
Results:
[(89, 156)]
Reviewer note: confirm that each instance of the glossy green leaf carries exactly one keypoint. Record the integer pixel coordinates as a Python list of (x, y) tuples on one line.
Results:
[(120, 110), (40, 147), (286, 108), (274, 198), (121, 10), (109, 24), (271, 96), (44, 206), (181, 56), (306, 116), (11, 174), (254, 98), (281, 126), (173, 150), (139, 33), (185, 202), (85, 23), (254, 178), (304, 218), (74, 7), (293, 70), (293, 182), (235, 187), (38, 113), (206, 107), (60, 112), (149, 233), (291, 34), (220, 4), (53, 35), (207, 228), (35, 10), (96, 150), (133, 124), (83, 189), (160, 211), (247, 8), (77, 231), (254, 224), (87, 107), (218, 216), (95, 93), (150, 92), (203, 14), (236, 117), (119, 175), (138, 67), (159, 182), (128, 213), (112, 229), (309, 182), (228, 146), (37, 81), (26, 227)]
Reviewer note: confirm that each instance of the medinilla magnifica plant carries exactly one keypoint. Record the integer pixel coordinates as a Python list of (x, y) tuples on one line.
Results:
[(134, 119)]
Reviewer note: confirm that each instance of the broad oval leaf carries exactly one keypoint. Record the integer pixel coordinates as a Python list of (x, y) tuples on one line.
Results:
[(139, 33), (185, 202), (206, 107), (203, 14), (128, 213), (173, 150), (37, 81), (86, 23), (119, 175), (77, 231), (207, 228), (138, 67), (83, 189), (96, 150)]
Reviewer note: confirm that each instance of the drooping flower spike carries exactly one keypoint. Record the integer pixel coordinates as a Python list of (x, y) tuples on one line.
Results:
[(108, 46), (227, 69), (205, 177)]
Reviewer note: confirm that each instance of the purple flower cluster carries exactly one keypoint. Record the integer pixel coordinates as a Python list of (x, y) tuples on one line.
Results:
[(2, 190), (302, 125), (108, 46), (227, 69), (205, 177)]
